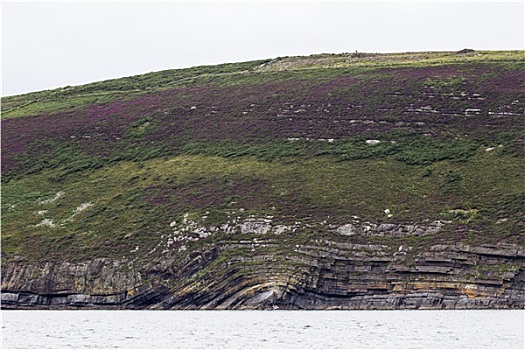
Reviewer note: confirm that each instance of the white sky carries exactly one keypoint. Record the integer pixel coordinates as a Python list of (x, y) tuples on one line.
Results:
[(49, 45)]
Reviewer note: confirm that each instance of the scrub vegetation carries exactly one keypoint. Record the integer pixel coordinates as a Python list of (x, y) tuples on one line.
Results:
[(100, 169)]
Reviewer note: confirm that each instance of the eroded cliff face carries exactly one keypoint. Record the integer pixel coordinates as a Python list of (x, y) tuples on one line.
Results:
[(254, 264)]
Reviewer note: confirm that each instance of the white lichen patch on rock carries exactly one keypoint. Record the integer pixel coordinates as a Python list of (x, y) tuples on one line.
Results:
[(424, 109), (470, 111), (83, 207), (190, 230), (390, 230), (52, 200), (347, 230), (46, 222), (326, 140), (257, 226), (329, 140), (279, 229)]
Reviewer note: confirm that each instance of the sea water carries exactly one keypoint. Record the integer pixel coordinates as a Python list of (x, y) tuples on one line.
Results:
[(502, 329)]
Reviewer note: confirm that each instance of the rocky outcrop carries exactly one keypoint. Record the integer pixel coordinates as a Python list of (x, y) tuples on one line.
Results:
[(273, 272)]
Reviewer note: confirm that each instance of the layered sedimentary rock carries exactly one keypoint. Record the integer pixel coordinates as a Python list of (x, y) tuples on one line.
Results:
[(268, 270)]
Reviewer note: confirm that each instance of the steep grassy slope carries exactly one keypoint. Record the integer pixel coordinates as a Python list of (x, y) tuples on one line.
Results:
[(173, 165)]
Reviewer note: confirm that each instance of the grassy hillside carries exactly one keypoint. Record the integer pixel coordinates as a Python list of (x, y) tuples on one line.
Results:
[(104, 169)]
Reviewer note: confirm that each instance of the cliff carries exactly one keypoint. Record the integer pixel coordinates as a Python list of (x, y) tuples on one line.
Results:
[(268, 269), (352, 181)]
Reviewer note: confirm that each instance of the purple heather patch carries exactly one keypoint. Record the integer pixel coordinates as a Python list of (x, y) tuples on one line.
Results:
[(344, 106)]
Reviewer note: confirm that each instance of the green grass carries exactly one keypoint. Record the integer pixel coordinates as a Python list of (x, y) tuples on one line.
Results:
[(132, 189), (315, 189), (76, 97)]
